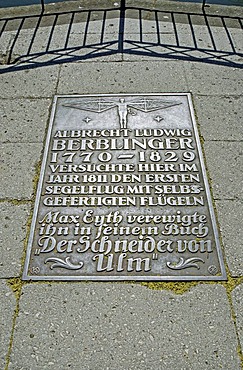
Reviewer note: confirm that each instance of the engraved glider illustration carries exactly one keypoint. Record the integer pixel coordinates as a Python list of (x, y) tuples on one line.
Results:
[(124, 108)]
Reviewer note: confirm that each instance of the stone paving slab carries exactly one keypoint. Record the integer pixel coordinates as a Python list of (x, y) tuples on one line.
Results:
[(100, 27), (222, 40), (154, 45), (24, 120), (97, 326), (220, 117), (123, 326), (64, 6), (28, 85), (237, 39), (237, 297), (164, 6), (196, 39), (12, 234), (28, 43), (18, 169), (121, 77), (7, 307), (134, 50), (47, 46), (90, 46), (224, 160), (102, 22), (6, 41), (230, 215), (213, 79)]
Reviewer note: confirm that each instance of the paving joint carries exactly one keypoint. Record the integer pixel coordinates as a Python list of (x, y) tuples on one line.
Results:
[(228, 199), (233, 315), (178, 288), (16, 202), (16, 287), (204, 314)]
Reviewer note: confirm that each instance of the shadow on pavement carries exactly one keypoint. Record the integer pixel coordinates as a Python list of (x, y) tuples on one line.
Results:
[(62, 37)]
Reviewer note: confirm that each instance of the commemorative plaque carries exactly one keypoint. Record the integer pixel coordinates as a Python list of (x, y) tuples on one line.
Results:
[(123, 193)]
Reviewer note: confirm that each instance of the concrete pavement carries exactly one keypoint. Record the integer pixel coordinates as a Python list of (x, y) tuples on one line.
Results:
[(163, 47)]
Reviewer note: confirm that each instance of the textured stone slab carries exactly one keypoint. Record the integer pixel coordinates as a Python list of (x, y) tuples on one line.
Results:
[(24, 120), (237, 39), (220, 117), (165, 6), (6, 39), (88, 47), (175, 35), (120, 77), (136, 52), (150, 51), (71, 46), (230, 215), (224, 160), (7, 306), (237, 297), (26, 83), (213, 79), (13, 231), (18, 169), (116, 326), (90, 224)]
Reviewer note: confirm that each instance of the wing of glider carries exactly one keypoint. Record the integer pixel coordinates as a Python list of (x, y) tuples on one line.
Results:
[(94, 105), (149, 105)]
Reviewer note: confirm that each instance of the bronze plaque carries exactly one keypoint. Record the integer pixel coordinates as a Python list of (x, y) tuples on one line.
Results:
[(123, 193)]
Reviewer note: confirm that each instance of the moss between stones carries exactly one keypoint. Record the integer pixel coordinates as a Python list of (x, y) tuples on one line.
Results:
[(179, 288), (175, 287), (36, 176), (232, 283), (182, 287), (15, 285), (29, 220), (240, 355), (15, 202)]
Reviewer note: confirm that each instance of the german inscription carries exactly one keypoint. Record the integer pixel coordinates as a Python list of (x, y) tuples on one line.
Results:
[(123, 193)]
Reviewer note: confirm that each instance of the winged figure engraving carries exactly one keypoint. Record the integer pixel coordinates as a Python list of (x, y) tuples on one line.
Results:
[(101, 105)]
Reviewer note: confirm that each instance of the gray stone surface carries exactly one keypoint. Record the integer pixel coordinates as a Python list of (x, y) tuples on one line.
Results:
[(237, 297), (149, 50), (230, 215), (151, 39), (6, 41), (18, 169), (120, 326), (165, 6), (210, 79), (237, 39), (13, 220), (121, 77), (224, 160), (220, 117), (25, 83), (48, 46), (186, 38), (7, 306), (141, 26), (24, 120), (87, 47), (96, 326)]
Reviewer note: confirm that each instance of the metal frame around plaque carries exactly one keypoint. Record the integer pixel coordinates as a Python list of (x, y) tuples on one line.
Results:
[(123, 193)]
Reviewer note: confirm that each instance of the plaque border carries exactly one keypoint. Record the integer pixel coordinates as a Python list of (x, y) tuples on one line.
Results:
[(26, 276)]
